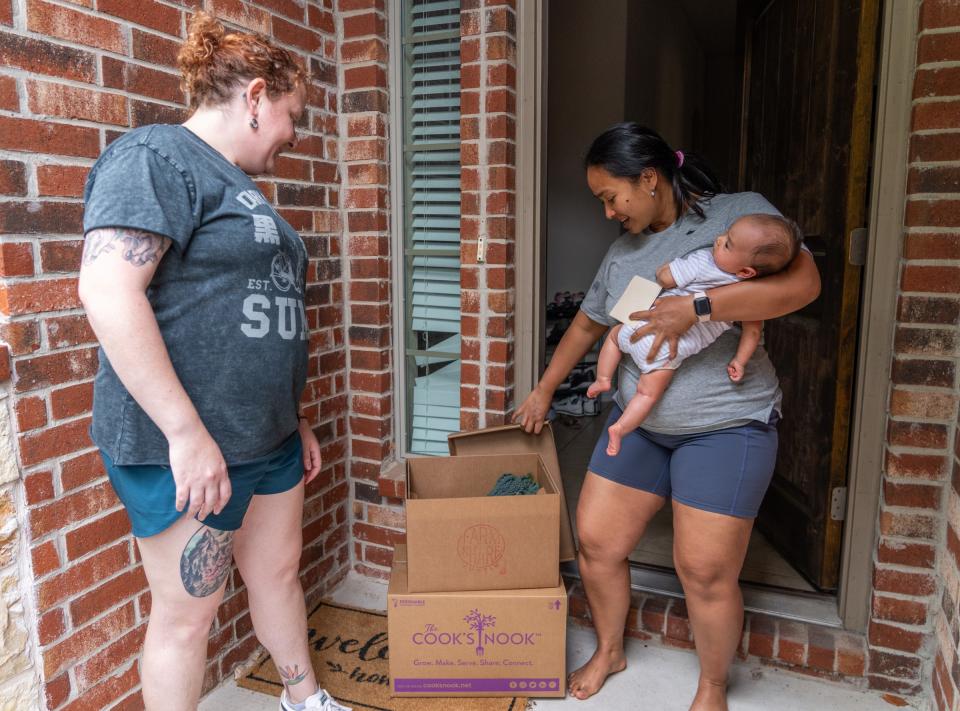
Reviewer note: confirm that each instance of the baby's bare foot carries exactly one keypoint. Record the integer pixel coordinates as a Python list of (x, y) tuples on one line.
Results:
[(616, 434), (600, 385), (587, 680), (711, 696)]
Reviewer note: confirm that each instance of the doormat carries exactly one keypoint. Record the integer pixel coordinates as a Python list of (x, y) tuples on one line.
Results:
[(348, 647)]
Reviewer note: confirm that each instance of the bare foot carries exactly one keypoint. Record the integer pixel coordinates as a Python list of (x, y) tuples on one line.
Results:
[(600, 385), (587, 680), (711, 696), (616, 434)]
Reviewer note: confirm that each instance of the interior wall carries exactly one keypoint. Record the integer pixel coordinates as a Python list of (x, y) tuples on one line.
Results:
[(586, 53), (640, 60)]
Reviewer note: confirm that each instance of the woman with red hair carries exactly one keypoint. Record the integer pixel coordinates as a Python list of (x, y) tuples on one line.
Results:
[(193, 284)]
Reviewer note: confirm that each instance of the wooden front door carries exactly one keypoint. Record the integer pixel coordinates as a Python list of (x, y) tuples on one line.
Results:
[(805, 145)]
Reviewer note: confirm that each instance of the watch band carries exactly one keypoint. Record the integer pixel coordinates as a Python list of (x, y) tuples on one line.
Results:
[(701, 306)]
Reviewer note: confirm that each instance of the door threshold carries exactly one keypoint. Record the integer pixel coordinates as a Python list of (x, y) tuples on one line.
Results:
[(795, 605)]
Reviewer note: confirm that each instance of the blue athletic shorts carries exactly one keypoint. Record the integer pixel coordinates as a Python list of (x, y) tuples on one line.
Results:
[(149, 494), (725, 471)]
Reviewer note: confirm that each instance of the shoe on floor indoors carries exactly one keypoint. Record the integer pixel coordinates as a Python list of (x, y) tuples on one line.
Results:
[(320, 701), (570, 405)]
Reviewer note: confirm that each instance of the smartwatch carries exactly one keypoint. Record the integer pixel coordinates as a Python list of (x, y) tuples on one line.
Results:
[(701, 306)]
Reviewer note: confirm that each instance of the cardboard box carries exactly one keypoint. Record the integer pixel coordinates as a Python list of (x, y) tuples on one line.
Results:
[(459, 538), (477, 643), (510, 439)]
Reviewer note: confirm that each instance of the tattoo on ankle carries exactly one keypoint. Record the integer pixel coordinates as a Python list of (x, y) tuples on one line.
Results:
[(205, 562), (291, 674), (138, 247)]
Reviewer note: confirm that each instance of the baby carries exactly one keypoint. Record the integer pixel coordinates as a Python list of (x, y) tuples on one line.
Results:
[(754, 245)]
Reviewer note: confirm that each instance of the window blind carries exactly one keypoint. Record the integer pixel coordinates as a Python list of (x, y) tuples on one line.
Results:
[(431, 156)]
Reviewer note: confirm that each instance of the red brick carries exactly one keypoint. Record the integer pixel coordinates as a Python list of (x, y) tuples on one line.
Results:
[(83, 575), (939, 13), (60, 255), (105, 693), (71, 508), (40, 217), (55, 368), (13, 178), (126, 586), (896, 581), (370, 23), (145, 12), (38, 487), (9, 99), (109, 659), (51, 626), (295, 35), (48, 138), (143, 113), (61, 180), (45, 559), (22, 337), (139, 79), (16, 258), (31, 413), (917, 434), (57, 691), (894, 665), (894, 637), (936, 82), (71, 401), (935, 406), (69, 331), (917, 555), (931, 278), (72, 102), (364, 50), (81, 470), (58, 21), (97, 533), (42, 57), (288, 8), (155, 49), (908, 612), (935, 114), (54, 441), (909, 525)]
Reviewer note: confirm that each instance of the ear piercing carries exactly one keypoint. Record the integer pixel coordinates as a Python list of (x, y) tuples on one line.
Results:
[(254, 125), (653, 193)]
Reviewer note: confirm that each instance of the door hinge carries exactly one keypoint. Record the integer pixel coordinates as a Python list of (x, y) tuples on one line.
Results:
[(857, 255), (481, 250), (838, 503)]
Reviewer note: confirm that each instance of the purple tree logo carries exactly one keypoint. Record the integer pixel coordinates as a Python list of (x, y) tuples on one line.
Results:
[(479, 622)]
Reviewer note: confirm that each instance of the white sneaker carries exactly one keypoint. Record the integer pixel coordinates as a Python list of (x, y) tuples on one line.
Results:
[(320, 701)]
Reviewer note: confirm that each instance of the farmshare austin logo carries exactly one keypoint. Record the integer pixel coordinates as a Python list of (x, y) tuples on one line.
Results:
[(481, 637)]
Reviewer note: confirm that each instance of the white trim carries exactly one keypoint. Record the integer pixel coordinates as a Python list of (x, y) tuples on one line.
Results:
[(395, 76), (878, 309)]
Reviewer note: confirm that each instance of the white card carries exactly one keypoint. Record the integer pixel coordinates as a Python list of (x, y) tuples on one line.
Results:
[(639, 296)]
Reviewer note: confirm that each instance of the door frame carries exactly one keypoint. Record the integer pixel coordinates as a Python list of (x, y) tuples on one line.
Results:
[(889, 156)]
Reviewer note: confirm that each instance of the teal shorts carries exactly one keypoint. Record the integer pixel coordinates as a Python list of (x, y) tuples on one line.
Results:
[(148, 491)]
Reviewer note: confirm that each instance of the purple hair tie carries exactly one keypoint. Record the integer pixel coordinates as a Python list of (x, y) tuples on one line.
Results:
[(679, 155)]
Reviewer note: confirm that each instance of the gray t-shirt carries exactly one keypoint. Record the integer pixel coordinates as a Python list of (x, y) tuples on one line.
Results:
[(228, 295), (701, 396)]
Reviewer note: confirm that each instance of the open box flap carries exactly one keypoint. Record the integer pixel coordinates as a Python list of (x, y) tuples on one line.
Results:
[(508, 439)]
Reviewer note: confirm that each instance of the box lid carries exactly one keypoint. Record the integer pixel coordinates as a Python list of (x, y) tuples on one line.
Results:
[(507, 439)]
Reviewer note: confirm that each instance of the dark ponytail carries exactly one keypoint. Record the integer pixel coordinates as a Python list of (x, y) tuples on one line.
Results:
[(625, 150)]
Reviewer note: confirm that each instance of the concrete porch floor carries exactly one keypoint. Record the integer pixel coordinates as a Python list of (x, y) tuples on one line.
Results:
[(657, 677)]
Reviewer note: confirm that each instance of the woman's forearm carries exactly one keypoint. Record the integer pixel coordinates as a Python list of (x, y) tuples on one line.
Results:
[(770, 297), (127, 329), (579, 338)]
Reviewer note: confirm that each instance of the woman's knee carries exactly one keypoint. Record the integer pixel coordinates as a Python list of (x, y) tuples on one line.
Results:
[(183, 623), (705, 578)]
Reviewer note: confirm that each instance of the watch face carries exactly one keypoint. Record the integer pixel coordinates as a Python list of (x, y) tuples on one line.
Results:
[(701, 306)]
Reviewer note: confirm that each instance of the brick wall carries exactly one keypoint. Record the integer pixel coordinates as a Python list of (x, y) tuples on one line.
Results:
[(364, 122), (923, 472), (488, 107), (73, 79)]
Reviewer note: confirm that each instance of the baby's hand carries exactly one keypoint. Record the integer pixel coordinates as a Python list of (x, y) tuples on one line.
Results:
[(735, 371)]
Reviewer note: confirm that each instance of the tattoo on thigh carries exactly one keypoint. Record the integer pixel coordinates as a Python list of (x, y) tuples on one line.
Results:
[(291, 674), (205, 562), (138, 247)]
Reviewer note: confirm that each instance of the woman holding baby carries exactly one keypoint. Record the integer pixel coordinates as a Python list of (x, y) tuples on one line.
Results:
[(709, 442)]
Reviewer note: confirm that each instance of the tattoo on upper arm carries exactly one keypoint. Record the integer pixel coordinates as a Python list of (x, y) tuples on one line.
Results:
[(137, 247), (205, 562)]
